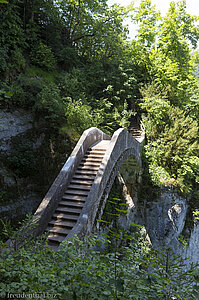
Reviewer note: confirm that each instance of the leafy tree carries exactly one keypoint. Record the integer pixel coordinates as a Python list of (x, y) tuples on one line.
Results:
[(43, 57), (172, 145), (178, 35), (147, 19), (12, 41)]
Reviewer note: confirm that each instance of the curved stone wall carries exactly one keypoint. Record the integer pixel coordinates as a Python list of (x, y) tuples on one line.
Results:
[(50, 201), (122, 145)]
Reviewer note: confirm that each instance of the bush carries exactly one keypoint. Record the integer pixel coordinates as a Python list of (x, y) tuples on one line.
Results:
[(3, 59), (77, 271), (49, 103), (79, 117), (18, 60), (172, 146), (22, 159), (43, 57)]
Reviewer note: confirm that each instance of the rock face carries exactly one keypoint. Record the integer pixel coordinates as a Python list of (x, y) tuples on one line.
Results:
[(191, 251), (165, 219), (13, 124), (165, 224), (31, 155)]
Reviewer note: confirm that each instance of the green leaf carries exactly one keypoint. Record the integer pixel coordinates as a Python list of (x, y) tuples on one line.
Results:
[(136, 225), (103, 221)]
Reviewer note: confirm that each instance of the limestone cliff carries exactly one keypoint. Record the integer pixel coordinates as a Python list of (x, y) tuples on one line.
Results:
[(31, 155)]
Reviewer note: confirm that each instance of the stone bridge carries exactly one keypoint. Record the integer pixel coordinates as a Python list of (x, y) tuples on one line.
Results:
[(78, 195)]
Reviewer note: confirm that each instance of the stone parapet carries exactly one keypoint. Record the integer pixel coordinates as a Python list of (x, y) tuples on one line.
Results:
[(56, 191), (121, 146)]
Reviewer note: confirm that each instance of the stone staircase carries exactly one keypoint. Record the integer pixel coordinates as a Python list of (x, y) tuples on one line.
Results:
[(135, 129), (72, 202)]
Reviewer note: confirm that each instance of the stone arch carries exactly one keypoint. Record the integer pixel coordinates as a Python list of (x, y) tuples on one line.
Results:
[(122, 145), (131, 152)]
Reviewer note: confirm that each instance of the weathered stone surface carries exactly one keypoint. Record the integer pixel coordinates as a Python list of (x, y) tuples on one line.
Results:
[(7, 179), (13, 124), (22, 205), (164, 219), (21, 193), (52, 198), (191, 251), (122, 145)]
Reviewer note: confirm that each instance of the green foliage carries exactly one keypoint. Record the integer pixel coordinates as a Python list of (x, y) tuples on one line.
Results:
[(147, 17), (43, 57), (78, 271), (34, 72), (196, 215), (70, 63), (12, 41), (3, 59), (22, 159), (177, 29), (79, 117), (49, 103), (5, 97), (7, 229), (182, 240), (25, 90), (192, 106), (172, 147), (18, 59), (21, 234), (74, 84)]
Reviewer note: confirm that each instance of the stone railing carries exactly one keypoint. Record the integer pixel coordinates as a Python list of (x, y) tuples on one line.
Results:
[(122, 145), (55, 193)]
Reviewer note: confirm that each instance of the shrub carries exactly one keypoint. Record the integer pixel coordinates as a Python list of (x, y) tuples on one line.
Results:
[(24, 90), (22, 159), (43, 57), (79, 117), (18, 60), (77, 271), (49, 104), (172, 146)]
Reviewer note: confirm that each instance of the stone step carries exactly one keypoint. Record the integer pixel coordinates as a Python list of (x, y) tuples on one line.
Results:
[(92, 160), (79, 187), (65, 216), (93, 156), (135, 131), (85, 172), (76, 192), (84, 177), (89, 168), (71, 204), (96, 152), (56, 239), (81, 182), (137, 134), (74, 197), (61, 223), (68, 210), (56, 231), (89, 164)]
